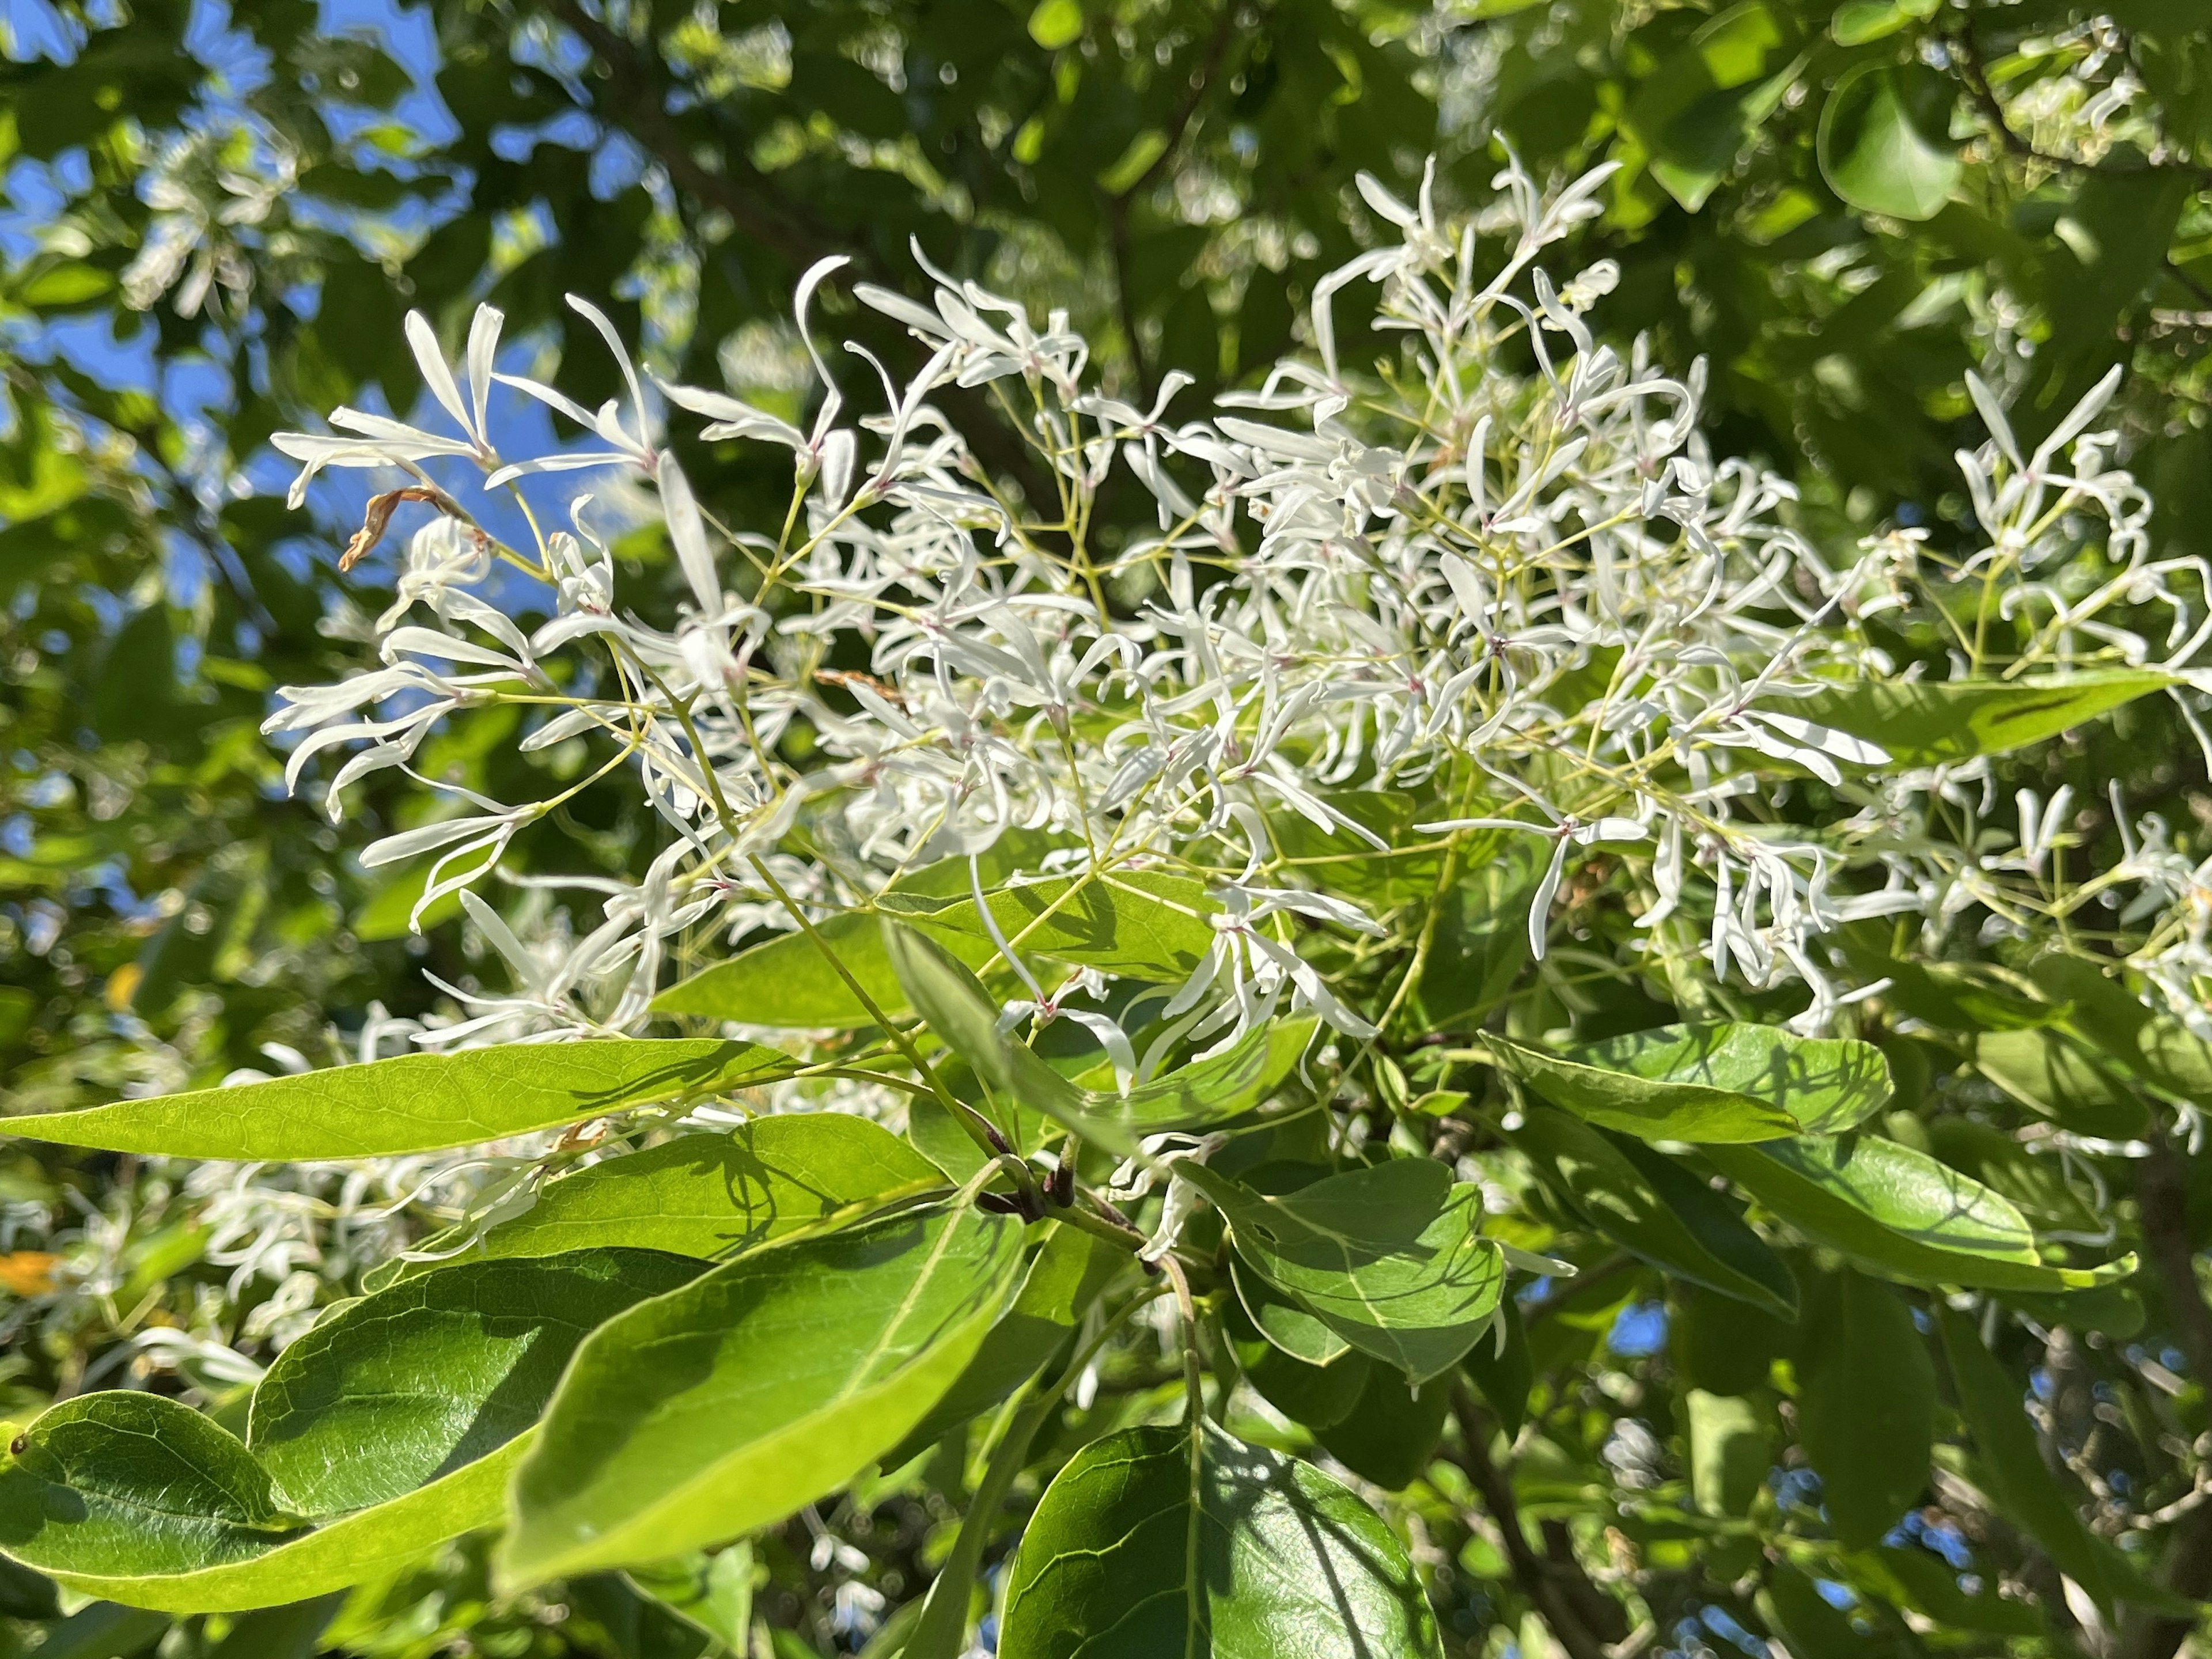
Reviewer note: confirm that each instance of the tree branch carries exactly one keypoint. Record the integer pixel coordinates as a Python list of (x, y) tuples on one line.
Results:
[(1562, 1591), (2162, 1195)]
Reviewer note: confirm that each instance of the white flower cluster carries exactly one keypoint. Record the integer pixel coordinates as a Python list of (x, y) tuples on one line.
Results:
[(1500, 573)]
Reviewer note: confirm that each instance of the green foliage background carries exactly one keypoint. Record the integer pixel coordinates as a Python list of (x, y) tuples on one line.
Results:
[(1841, 208)]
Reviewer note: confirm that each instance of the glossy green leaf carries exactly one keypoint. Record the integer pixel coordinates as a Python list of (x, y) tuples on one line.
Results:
[(1709, 1083), (416, 1102), (435, 1372), (142, 1500), (961, 1013), (1145, 924), (1884, 140), (755, 1390), (1866, 1406), (1929, 723), (1729, 1440), (1899, 1211), (713, 1196), (1645, 1201), (1147, 1544), (1391, 1258)]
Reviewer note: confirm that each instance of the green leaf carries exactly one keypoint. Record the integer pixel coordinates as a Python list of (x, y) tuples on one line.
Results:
[(1480, 939), (142, 1500), (1917, 1578), (1866, 1406), (1187, 1542), (2149, 1045), (1391, 1258), (2036, 1185), (963, 1015), (1065, 1277), (755, 1390), (435, 1372), (1283, 1322), (1884, 141), (1929, 723), (1859, 22), (1900, 1213), (1389, 1436), (1505, 1370), (1645, 1201), (1729, 1452), (1724, 1345), (415, 1103), (1708, 1083), (710, 1195), (2048, 1074), (102, 1630), (1142, 924), (712, 1593), (1315, 1396)]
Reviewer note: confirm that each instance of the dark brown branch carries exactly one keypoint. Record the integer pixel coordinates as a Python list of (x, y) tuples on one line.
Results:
[(1581, 1615), (638, 87)]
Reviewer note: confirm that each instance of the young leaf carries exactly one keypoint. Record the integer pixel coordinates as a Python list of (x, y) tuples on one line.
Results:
[(1643, 1199), (1391, 1258), (755, 1390), (1709, 1083), (415, 1103), (708, 1195), (1866, 1406), (1900, 1213), (1937, 722), (1186, 1541), (138, 1498), (435, 1372)]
